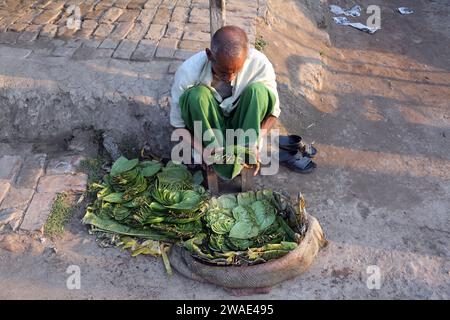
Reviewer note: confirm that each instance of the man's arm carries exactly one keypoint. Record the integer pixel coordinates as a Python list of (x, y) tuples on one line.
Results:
[(268, 124)]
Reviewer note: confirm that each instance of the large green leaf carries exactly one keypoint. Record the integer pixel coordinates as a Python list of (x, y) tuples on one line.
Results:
[(227, 201), (175, 175), (120, 213), (223, 224), (116, 197), (240, 244), (246, 198), (244, 229), (111, 225), (241, 213), (264, 213), (122, 165), (150, 168)]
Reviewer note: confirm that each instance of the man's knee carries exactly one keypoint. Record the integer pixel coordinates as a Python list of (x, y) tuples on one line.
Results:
[(255, 88), (198, 95)]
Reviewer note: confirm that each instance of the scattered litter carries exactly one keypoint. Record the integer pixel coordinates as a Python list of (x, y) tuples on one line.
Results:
[(405, 10), (42, 240), (311, 125), (363, 27), (341, 20), (354, 11), (357, 25)]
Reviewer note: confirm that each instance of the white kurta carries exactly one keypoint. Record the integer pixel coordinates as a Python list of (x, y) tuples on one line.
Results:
[(197, 70)]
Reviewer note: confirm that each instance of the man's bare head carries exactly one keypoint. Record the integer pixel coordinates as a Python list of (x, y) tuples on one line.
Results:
[(229, 49)]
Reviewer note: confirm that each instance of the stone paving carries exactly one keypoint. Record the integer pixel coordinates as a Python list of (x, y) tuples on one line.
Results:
[(114, 74), (29, 183), (137, 30), (46, 42)]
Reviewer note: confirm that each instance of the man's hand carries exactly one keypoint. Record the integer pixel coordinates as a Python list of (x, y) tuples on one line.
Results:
[(266, 125), (257, 165)]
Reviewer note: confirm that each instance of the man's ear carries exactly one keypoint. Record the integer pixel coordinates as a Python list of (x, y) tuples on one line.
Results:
[(209, 54)]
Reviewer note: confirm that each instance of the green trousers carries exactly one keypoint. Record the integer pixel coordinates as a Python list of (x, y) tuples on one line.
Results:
[(198, 104)]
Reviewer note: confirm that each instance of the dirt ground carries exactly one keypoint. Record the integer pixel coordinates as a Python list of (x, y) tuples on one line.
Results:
[(377, 107)]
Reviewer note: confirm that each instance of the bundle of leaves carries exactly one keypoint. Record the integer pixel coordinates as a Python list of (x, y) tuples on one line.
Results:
[(250, 228), (145, 199)]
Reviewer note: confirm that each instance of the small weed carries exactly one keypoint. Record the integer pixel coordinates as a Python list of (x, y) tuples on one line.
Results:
[(61, 211), (260, 43)]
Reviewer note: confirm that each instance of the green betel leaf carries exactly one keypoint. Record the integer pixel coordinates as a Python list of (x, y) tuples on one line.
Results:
[(116, 197), (240, 244), (122, 165), (246, 198), (190, 200), (264, 213), (120, 213), (217, 242), (241, 213), (227, 201), (223, 224), (265, 194), (244, 229), (175, 175), (150, 168)]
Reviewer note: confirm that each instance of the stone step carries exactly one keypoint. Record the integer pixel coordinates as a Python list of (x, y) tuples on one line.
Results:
[(32, 169), (13, 207), (38, 212), (22, 180), (9, 167), (61, 175)]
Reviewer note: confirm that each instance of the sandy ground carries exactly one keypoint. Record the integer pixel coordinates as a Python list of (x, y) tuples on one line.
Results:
[(377, 107)]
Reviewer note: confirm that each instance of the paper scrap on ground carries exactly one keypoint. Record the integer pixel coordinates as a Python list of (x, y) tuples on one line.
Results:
[(354, 11), (405, 10), (345, 22)]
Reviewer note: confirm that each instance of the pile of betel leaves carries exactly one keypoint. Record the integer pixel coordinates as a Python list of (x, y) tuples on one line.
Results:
[(245, 229), (149, 206)]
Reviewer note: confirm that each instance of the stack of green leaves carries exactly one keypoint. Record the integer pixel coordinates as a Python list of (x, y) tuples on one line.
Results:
[(146, 200), (245, 229)]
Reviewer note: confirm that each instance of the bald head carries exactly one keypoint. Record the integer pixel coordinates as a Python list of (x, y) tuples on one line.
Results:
[(230, 41), (229, 49)]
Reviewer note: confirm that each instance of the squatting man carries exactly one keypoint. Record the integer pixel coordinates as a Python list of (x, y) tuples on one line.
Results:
[(226, 92)]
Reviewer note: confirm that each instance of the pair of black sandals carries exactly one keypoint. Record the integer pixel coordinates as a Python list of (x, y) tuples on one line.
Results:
[(296, 155)]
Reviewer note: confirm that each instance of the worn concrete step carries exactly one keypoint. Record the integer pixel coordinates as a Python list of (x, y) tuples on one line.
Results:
[(61, 175), (32, 169), (38, 212), (9, 167), (13, 207)]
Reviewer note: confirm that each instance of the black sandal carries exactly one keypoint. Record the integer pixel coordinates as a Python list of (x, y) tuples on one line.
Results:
[(296, 161), (294, 143)]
